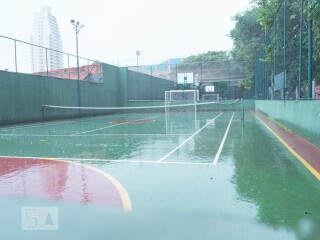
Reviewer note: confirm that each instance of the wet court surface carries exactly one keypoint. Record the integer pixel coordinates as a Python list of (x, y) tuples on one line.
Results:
[(190, 177)]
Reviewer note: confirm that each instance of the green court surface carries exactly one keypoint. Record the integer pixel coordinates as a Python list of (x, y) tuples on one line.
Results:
[(204, 176)]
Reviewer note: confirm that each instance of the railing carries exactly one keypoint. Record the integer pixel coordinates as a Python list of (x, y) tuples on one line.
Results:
[(16, 56)]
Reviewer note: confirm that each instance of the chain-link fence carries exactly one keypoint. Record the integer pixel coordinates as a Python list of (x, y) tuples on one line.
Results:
[(287, 65), (224, 77), (23, 57)]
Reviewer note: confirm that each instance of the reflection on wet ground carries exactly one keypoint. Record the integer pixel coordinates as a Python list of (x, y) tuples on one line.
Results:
[(257, 189)]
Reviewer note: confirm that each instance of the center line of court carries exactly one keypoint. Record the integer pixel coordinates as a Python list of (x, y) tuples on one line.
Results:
[(216, 158), (185, 141), (94, 130)]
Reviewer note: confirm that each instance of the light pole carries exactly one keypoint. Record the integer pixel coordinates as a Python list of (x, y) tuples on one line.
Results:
[(138, 53), (77, 27)]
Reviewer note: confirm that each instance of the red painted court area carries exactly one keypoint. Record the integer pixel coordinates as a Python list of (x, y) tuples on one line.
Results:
[(306, 152), (60, 180)]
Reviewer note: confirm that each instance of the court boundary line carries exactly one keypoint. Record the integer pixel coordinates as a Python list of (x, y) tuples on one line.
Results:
[(110, 126), (216, 158), (305, 163), (55, 122), (185, 141), (93, 135), (115, 161), (50, 123), (31, 125), (145, 161)]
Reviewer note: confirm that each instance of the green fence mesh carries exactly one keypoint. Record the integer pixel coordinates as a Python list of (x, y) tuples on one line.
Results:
[(287, 65)]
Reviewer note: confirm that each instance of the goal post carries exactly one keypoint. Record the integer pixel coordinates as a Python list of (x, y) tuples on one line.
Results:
[(211, 97), (181, 101), (185, 96)]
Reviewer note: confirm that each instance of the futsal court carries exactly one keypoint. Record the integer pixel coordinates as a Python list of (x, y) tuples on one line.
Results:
[(154, 175)]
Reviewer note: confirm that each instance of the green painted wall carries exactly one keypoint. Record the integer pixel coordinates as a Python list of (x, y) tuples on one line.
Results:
[(248, 104), (145, 87), (102, 95), (22, 95), (301, 117), (123, 89)]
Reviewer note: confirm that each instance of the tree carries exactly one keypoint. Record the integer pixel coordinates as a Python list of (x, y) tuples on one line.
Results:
[(210, 56), (266, 10), (259, 37), (246, 37)]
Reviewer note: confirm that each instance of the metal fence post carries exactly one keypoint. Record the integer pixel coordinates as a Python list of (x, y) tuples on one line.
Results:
[(274, 52), (88, 68), (284, 46), (47, 62), (69, 66), (300, 49), (15, 55), (310, 40)]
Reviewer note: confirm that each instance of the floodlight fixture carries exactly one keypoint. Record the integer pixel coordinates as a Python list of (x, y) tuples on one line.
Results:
[(77, 29), (138, 53)]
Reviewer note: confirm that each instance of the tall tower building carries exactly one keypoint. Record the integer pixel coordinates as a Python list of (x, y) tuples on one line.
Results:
[(45, 33)]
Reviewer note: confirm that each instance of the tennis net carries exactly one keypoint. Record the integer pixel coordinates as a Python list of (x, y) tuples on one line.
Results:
[(52, 112)]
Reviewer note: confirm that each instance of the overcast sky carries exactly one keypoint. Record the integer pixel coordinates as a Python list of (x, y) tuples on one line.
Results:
[(115, 29)]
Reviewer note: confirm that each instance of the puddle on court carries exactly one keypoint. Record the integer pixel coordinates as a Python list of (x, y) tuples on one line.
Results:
[(56, 180), (257, 186)]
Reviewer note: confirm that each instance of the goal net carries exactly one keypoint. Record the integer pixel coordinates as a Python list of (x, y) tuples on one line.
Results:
[(183, 96), (211, 97), (181, 101)]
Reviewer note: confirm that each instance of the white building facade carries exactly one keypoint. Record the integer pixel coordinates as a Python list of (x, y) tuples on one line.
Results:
[(45, 33)]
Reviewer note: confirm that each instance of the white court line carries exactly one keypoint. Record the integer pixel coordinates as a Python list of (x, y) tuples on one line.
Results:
[(216, 158), (185, 141), (39, 124), (115, 161), (35, 125), (114, 125), (94, 135), (138, 161)]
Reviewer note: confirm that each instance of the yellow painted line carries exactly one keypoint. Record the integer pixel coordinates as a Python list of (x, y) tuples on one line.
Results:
[(126, 202), (294, 153)]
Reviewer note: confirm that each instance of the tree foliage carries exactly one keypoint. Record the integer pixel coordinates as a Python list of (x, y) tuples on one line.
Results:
[(266, 10), (262, 28), (269, 33), (246, 37), (210, 56)]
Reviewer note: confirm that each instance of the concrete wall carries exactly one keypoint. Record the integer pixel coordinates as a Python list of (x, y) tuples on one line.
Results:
[(301, 117)]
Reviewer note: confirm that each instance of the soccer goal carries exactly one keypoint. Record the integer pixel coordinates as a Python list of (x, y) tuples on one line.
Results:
[(181, 96), (183, 103), (178, 101), (211, 97)]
